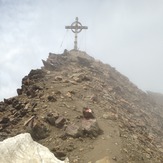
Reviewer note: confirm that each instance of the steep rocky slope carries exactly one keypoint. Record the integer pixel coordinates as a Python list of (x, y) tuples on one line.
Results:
[(157, 97), (127, 125)]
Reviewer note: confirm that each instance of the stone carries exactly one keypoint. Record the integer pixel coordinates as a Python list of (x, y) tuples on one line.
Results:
[(59, 154), (4, 120), (58, 78), (19, 91), (69, 95), (88, 113), (110, 116), (51, 118), (94, 98), (17, 105), (77, 79), (60, 122), (74, 131), (52, 99), (8, 101), (31, 93), (2, 107), (103, 160), (91, 127), (22, 149), (36, 74), (37, 129)]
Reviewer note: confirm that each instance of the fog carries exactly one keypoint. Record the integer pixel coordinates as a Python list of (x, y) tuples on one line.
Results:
[(126, 34)]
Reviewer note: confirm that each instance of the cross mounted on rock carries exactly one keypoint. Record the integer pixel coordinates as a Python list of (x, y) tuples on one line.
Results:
[(76, 27)]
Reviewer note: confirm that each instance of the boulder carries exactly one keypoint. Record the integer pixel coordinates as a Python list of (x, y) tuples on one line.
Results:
[(36, 128), (74, 131), (91, 127), (19, 91), (22, 149)]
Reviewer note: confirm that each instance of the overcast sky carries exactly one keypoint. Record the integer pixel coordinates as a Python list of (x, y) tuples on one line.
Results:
[(127, 34)]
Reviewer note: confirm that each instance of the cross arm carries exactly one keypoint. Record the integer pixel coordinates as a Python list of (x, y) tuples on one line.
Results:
[(76, 27)]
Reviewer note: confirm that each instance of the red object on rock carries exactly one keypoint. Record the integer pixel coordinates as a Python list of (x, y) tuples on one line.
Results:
[(87, 113)]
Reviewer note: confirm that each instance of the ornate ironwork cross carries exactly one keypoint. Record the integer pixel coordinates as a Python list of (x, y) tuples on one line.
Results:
[(76, 27)]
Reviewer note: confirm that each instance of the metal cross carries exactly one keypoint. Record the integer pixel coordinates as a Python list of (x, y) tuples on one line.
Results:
[(76, 27)]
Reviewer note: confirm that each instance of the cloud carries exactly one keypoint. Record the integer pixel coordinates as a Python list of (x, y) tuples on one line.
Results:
[(125, 34)]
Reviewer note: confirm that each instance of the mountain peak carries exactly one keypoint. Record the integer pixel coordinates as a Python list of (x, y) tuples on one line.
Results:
[(85, 110)]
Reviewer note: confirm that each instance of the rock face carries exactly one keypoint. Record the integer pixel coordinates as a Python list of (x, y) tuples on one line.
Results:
[(22, 149), (85, 110)]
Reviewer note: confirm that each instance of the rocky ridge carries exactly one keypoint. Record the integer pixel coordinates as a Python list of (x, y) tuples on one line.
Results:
[(126, 125)]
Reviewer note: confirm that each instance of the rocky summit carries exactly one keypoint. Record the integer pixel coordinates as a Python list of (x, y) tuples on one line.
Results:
[(86, 111)]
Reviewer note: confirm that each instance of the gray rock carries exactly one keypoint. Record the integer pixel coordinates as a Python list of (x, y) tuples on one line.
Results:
[(74, 131), (60, 122), (91, 127), (51, 118)]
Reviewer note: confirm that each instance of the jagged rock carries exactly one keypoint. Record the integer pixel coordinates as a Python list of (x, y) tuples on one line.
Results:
[(37, 129), (60, 122), (19, 91), (91, 127), (60, 154), (36, 74), (17, 105), (31, 93), (74, 131), (52, 99), (51, 118), (22, 149), (48, 66), (2, 107), (4, 120), (8, 101)]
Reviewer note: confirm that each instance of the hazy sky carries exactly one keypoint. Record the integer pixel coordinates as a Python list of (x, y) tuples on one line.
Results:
[(127, 34)]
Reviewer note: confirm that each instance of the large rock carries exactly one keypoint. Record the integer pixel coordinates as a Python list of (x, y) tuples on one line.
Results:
[(22, 149), (74, 131), (91, 127), (104, 160)]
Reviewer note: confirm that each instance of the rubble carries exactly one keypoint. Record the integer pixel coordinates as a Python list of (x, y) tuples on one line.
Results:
[(79, 107)]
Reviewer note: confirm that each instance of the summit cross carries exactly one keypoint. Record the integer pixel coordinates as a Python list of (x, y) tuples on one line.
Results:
[(76, 27)]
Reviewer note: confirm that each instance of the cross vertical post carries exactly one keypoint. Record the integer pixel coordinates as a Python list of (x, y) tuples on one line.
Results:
[(76, 27)]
